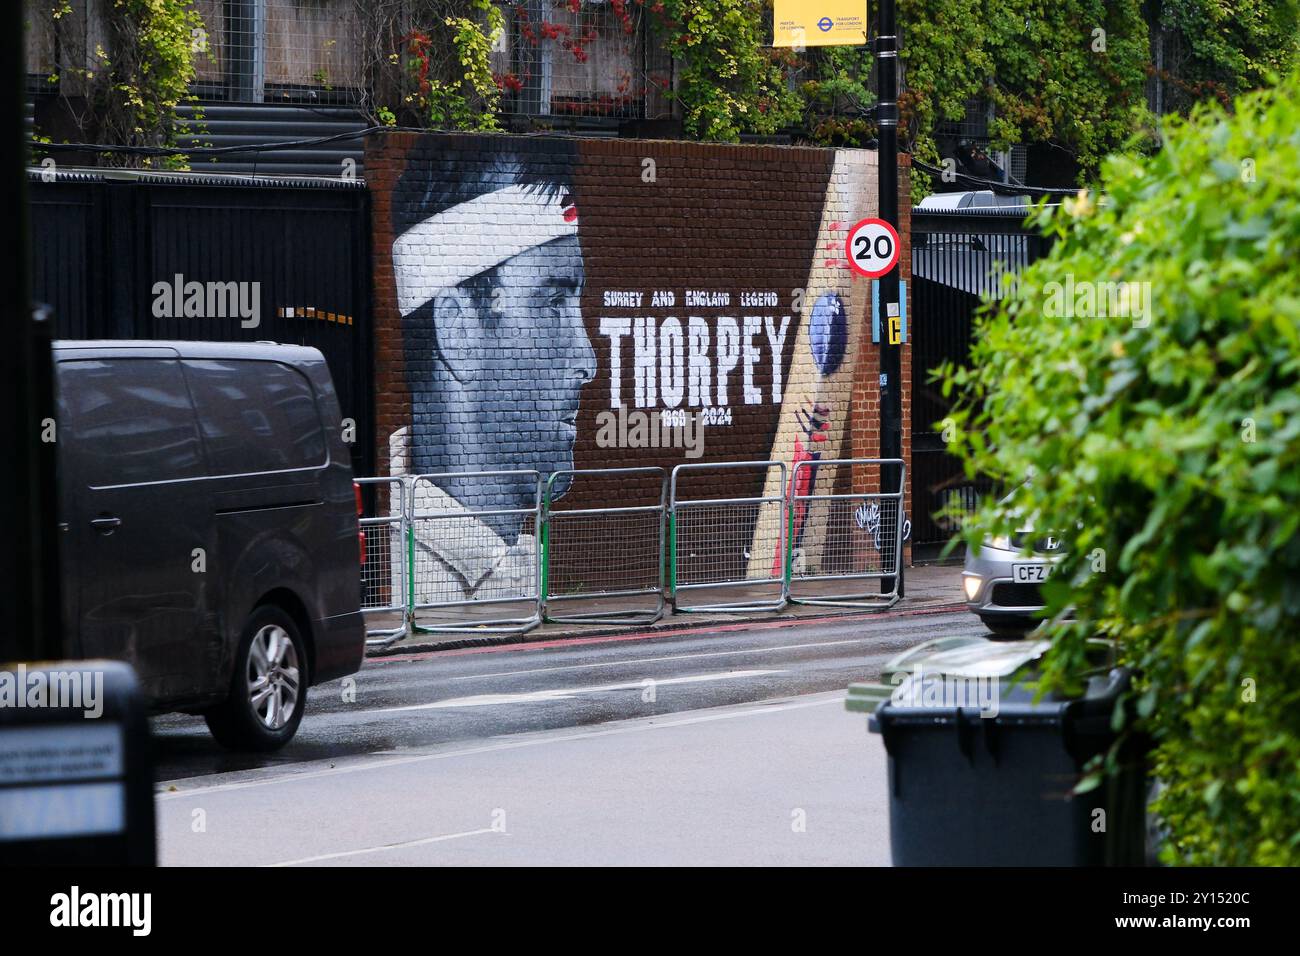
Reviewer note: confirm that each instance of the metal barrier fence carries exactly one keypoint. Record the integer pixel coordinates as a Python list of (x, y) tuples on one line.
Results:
[(602, 559), (490, 553), (723, 544), (475, 556), (845, 532), (385, 575)]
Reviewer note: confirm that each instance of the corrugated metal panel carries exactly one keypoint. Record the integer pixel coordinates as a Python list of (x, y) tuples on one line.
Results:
[(164, 178), (248, 124), (243, 124)]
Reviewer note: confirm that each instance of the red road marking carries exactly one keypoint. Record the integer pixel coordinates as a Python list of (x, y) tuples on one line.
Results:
[(666, 632)]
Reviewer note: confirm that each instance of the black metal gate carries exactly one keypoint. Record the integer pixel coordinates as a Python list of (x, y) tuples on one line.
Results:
[(106, 246), (958, 255)]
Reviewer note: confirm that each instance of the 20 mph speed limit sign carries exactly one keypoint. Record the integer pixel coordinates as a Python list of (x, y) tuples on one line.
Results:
[(872, 248)]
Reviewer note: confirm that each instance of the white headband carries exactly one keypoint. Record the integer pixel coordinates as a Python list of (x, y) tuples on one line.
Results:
[(473, 237)]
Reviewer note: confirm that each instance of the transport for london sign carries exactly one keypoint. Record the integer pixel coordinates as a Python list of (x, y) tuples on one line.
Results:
[(804, 23)]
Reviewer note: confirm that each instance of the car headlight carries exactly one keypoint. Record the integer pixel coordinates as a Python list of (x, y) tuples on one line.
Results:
[(971, 585), (1000, 541)]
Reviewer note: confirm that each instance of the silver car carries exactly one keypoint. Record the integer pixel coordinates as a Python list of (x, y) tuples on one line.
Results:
[(1003, 578)]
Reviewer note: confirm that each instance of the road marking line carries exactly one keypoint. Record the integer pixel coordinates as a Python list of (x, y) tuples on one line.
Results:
[(667, 633), (567, 693), (379, 849), (641, 724), (673, 657)]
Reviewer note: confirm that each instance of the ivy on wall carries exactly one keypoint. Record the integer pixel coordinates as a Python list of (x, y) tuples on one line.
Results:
[(1069, 74), (466, 96), (1072, 75), (836, 94), (1230, 47), (730, 81), (126, 90), (947, 61)]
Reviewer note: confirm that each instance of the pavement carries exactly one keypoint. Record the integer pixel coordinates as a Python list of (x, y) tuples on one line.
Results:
[(711, 744), (926, 586)]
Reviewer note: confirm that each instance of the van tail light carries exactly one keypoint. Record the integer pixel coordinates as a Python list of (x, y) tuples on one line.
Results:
[(361, 535)]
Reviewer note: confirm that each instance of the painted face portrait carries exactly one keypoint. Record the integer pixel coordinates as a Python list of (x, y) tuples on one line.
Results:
[(496, 350), (518, 354)]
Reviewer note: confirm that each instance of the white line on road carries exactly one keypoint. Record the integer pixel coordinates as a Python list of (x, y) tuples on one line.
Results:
[(673, 657), (638, 725), (566, 693), (385, 846)]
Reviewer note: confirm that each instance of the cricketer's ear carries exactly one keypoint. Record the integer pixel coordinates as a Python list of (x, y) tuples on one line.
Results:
[(456, 332)]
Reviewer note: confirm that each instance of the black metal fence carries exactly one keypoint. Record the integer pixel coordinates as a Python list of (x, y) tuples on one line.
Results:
[(958, 257), (114, 257)]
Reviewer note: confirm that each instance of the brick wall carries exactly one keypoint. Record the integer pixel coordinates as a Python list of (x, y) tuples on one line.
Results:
[(531, 294)]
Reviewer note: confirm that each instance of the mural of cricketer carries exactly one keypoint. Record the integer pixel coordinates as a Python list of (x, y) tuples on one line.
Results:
[(496, 355)]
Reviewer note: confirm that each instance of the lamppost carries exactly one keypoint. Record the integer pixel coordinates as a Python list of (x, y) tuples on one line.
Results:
[(885, 47)]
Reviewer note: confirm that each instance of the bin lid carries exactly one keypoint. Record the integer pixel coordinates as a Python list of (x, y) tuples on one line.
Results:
[(964, 656), (977, 658)]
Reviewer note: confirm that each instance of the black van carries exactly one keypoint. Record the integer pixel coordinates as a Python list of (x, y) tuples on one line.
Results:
[(209, 526)]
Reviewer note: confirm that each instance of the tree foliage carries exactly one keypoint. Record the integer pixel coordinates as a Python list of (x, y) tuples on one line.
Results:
[(429, 62), (1071, 74), (449, 61), (1164, 443), (730, 80), (125, 91), (1231, 46)]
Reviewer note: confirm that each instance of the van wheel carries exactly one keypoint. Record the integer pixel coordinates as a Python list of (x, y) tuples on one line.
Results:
[(269, 689)]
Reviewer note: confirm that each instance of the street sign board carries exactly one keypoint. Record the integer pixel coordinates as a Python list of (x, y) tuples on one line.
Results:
[(76, 775), (895, 315), (805, 23), (872, 247)]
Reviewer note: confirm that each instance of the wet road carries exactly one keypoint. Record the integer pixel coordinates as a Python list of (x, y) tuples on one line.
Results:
[(433, 699), (713, 746)]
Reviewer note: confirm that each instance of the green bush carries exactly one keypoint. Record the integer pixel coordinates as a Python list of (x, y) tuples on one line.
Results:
[(1162, 437)]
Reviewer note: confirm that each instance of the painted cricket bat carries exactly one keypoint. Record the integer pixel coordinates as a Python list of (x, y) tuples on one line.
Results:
[(816, 403)]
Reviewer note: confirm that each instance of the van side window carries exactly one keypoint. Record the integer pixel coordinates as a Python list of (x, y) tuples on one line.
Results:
[(130, 420), (255, 416)]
